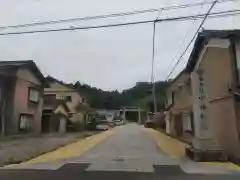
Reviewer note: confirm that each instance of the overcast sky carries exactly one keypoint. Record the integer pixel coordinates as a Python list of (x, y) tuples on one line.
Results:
[(109, 58)]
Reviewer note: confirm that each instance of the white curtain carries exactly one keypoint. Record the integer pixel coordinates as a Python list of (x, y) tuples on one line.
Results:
[(187, 122), (34, 95)]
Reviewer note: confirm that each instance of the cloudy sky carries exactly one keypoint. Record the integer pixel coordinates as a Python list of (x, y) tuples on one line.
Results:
[(108, 58)]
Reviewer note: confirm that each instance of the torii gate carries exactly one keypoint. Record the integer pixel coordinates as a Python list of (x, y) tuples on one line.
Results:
[(137, 110)]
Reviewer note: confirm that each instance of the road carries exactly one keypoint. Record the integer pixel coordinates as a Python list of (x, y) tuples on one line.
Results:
[(128, 153), (128, 149)]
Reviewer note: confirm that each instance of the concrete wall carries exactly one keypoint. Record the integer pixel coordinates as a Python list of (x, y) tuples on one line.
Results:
[(220, 110), (26, 79)]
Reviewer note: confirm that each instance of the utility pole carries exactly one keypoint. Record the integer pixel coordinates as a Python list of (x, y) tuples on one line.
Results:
[(3, 118), (154, 101), (152, 75)]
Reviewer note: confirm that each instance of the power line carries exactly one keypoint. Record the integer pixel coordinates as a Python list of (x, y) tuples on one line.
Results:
[(178, 18), (184, 39), (190, 42), (199, 16), (113, 15)]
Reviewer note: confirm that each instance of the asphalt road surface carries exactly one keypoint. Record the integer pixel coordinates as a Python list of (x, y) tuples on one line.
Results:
[(129, 153)]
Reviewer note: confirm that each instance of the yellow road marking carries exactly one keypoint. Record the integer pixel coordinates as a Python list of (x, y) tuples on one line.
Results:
[(171, 146), (71, 150), (225, 165), (176, 149)]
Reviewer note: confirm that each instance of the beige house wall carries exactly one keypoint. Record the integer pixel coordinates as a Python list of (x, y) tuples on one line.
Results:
[(60, 109), (76, 99), (217, 66), (182, 104), (61, 90), (77, 117), (182, 94)]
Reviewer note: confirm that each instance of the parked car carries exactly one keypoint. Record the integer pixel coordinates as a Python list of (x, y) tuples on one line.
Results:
[(149, 124), (118, 121), (104, 125)]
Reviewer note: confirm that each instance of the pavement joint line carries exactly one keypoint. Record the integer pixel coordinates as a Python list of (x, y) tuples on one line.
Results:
[(71, 150), (176, 149)]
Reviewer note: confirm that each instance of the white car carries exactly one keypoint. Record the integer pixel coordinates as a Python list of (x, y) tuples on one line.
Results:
[(118, 122), (102, 127)]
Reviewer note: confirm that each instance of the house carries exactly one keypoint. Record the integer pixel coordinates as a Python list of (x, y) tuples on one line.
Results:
[(59, 90), (214, 65), (55, 116), (179, 116), (21, 97)]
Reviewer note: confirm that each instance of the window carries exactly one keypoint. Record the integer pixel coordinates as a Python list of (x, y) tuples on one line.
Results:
[(187, 122), (68, 98), (170, 99), (49, 99), (173, 97), (61, 97), (33, 95), (189, 87), (25, 122), (83, 100)]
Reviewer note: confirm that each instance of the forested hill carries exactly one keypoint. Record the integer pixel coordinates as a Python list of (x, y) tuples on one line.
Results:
[(139, 95)]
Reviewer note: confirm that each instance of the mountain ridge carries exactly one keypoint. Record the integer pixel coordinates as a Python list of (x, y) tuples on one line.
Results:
[(139, 95)]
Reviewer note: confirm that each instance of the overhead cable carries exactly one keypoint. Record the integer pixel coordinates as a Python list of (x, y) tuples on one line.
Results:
[(178, 18), (192, 39), (182, 6)]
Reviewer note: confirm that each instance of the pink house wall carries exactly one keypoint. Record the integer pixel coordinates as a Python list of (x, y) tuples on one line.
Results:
[(23, 106)]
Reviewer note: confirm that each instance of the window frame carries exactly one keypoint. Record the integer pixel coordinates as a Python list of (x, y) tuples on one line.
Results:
[(62, 97), (170, 99), (83, 100), (68, 100), (187, 124), (19, 122), (173, 95), (34, 89)]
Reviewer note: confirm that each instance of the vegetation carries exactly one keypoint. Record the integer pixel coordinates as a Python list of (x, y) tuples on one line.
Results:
[(139, 95)]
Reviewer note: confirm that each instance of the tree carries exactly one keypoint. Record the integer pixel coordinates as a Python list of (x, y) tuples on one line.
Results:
[(139, 95)]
